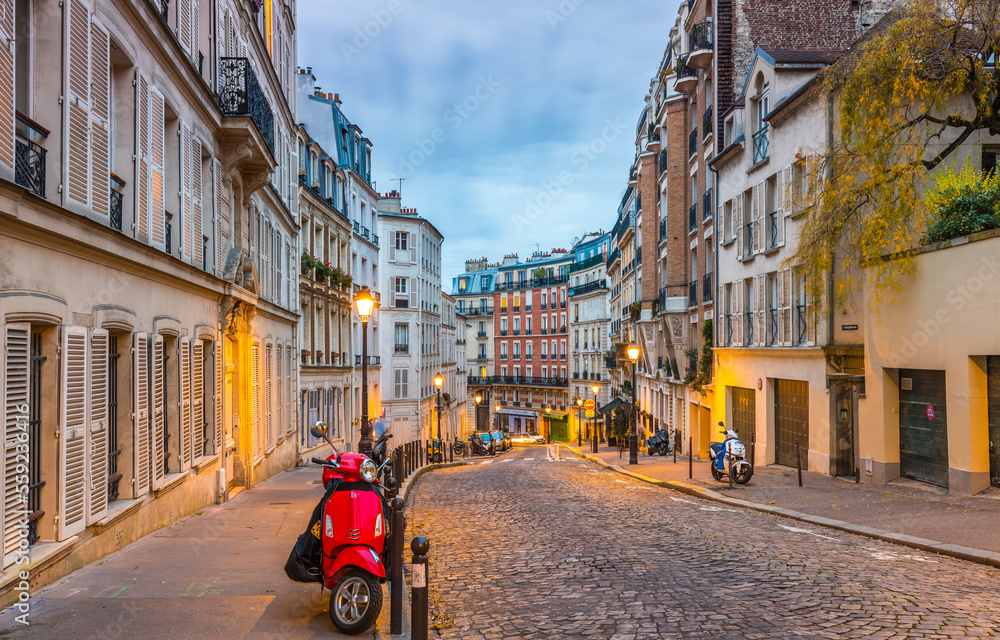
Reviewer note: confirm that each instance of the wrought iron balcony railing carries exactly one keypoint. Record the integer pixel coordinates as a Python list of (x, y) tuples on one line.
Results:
[(693, 217), (693, 293), (761, 143), (663, 230), (116, 210), (748, 328), (693, 142), (597, 285), (701, 36), (772, 337), (29, 157), (242, 95), (727, 332), (772, 223), (748, 240), (706, 287), (800, 310), (663, 161), (706, 122), (706, 205)]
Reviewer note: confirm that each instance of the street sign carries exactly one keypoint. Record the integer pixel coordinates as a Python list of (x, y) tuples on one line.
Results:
[(588, 407), (930, 413)]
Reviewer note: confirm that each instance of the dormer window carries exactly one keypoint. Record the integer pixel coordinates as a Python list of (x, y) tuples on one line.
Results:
[(759, 109)]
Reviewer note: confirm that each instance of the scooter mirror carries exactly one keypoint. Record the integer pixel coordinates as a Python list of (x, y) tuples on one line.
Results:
[(318, 430)]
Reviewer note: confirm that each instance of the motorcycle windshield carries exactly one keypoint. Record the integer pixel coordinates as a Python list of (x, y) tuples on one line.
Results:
[(379, 427)]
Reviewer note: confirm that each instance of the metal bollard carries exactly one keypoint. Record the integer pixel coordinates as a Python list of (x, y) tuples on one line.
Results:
[(423, 451), (396, 572), (730, 474), (418, 592), (753, 449), (673, 441), (690, 458), (798, 460)]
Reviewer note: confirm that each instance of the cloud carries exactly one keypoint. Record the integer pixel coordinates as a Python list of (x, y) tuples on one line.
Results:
[(558, 83)]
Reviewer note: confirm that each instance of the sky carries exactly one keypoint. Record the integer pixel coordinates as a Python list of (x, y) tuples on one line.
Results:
[(512, 122)]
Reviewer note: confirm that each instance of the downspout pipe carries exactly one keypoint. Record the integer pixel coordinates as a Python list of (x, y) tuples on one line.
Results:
[(830, 290)]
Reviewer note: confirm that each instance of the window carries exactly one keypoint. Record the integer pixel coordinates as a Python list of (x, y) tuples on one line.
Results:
[(400, 379), (401, 244), (402, 338)]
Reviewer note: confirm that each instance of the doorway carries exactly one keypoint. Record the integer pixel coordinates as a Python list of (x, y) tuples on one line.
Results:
[(993, 397), (791, 422), (923, 426)]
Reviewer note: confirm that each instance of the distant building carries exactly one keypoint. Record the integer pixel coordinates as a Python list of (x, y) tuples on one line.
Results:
[(473, 293)]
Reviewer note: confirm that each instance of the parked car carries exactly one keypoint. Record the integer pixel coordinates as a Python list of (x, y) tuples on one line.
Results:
[(487, 437), (500, 440), (529, 437)]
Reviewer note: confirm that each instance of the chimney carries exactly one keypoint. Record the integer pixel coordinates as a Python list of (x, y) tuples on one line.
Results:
[(336, 99)]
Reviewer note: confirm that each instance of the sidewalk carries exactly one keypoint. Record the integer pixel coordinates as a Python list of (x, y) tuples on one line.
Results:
[(904, 511), (218, 573)]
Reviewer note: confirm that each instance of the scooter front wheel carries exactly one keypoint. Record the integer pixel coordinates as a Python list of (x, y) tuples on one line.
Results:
[(741, 473), (437, 458), (715, 474), (355, 602), (662, 449)]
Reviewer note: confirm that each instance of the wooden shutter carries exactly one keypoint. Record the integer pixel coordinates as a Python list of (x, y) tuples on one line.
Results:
[(156, 202), (198, 232), (219, 391), (279, 391), (258, 449), (221, 29), (73, 436), (290, 396), (140, 415), (184, 378), (779, 206), (157, 393), (221, 217), (738, 223), (184, 25), (187, 232), (100, 121), (737, 312), (787, 192), (16, 371), (756, 216), (195, 33), (268, 397), (197, 399), (785, 275), (7, 89), (142, 151), (97, 499), (77, 171)]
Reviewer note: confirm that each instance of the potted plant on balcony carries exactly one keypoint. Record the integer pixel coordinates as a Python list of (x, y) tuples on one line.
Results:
[(539, 273), (308, 263), (323, 271), (635, 311)]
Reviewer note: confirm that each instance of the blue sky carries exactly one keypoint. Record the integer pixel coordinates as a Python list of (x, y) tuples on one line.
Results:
[(512, 121)]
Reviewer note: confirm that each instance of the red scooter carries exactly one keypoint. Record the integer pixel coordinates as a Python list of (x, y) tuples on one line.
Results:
[(346, 547)]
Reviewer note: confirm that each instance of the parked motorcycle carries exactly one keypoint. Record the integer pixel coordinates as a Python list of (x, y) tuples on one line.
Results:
[(458, 447), (729, 458), (435, 451), (346, 545), (479, 446), (659, 443), (380, 449)]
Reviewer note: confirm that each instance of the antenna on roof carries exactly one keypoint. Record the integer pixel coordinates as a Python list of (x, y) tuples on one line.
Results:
[(537, 246), (400, 186)]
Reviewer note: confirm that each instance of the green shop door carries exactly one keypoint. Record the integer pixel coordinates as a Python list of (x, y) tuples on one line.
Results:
[(993, 395), (744, 421), (923, 426), (791, 421)]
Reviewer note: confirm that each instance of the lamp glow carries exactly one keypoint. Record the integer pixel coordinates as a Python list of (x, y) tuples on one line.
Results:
[(596, 389), (438, 381), (365, 304), (633, 352)]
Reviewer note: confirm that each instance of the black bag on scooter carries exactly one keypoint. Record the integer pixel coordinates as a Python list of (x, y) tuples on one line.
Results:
[(305, 562)]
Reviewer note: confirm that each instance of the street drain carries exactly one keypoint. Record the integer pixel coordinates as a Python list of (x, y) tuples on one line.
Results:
[(281, 503)]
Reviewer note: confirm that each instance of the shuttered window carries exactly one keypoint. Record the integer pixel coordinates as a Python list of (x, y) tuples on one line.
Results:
[(269, 396), (291, 386), (97, 466), (198, 399), (221, 217), (140, 415), (158, 460), (73, 436), (15, 387), (219, 391), (184, 380), (279, 389), (258, 448), (187, 215), (7, 86)]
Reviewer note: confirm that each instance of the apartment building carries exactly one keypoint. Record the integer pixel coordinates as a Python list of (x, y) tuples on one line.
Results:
[(325, 299), (148, 215), (473, 293), (454, 390), (590, 320), (412, 271), (321, 113)]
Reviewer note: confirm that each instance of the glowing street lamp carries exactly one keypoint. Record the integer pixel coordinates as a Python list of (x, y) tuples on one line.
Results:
[(366, 305), (479, 398), (438, 381), (496, 410), (548, 425), (593, 440), (579, 422), (633, 444)]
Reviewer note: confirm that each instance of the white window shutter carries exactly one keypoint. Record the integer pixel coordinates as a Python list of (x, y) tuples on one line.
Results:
[(786, 304), (221, 217), (195, 33), (16, 370), (141, 444), (184, 377), (219, 390), (737, 312), (100, 121), (258, 449), (197, 400), (76, 176), (142, 177), (755, 217), (269, 396), (187, 229), (221, 28), (157, 413), (7, 89), (738, 224), (279, 392), (97, 503), (73, 437), (197, 229), (156, 142), (290, 396)]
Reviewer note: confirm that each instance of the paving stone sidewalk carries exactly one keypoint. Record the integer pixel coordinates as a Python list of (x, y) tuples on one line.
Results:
[(902, 507)]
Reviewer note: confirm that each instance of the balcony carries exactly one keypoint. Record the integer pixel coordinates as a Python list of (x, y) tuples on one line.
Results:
[(706, 205), (772, 333), (375, 239), (748, 328), (802, 334), (663, 230), (700, 46), (687, 76), (29, 156), (562, 304), (545, 356), (772, 236), (586, 264), (544, 307), (562, 356), (242, 96), (727, 330), (532, 283), (527, 331), (562, 329), (536, 381), (503, 332), (401, 348), (517, 308), (707, 124), (663, 161), (517, 355), (503, 356), (116, 209), (517, 332), (527, 307), (706, 287), (597, 285), (477, 311), (693, 142), (545, 331), (481, 334), (693, 294), (761, 144), (373, 361), (747, 240), (693, 217)]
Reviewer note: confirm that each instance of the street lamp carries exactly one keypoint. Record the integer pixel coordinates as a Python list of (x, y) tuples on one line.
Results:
[(438, 381), (496, 410), (579, 422), (633, 445), (548, 425), (593, 440), (365, 304), (479, 398)]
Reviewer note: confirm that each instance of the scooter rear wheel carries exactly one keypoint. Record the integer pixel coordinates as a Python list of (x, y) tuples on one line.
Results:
[(355, 602), (662, 449), (715, 474), (437, 458)]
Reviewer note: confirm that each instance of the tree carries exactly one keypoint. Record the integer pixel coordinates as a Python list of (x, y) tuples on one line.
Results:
[(620, 427), (704, 373), (906, 98)]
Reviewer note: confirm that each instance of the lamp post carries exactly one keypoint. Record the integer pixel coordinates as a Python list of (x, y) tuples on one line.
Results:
[(479, 398), (593, 439), (365, 304), (579, 422), (548, 426), (633, 445), (438, 381), (496, 410)]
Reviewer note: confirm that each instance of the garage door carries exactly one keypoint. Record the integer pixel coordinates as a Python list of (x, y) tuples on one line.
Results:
[(744, 412), (993, 386), (791, 420), (923, 426)]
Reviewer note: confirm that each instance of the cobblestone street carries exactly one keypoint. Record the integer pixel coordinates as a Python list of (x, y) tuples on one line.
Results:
[(524, 547)]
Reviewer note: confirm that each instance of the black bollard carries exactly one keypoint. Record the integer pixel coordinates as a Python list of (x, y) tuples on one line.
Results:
[(798, 460), (690, 458), (396, 571), (730, 474), (397, 464), (673, 442), (451, 454), (418, 588), (753, 449)]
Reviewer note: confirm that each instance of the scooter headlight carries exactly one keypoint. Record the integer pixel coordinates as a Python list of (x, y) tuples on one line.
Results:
[(368, 470)]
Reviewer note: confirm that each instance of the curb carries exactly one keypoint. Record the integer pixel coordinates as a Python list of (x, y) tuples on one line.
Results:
[(404, 490), (980, 556)]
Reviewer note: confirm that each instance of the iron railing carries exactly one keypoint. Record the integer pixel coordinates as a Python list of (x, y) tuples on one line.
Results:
[(693, 142), (727, 331), (803, 329), (706, 121), (701, 36), (693, 293), (772, 338), (29, 166), (165, 11), (748, 329), (522, 380), (242, 95), (772, 239), (532, 283), (748, 239), (663, 161), (693, 217), (597, 285), (663, 230), (169, 228), (706, 204), (116, 210), (706, 287), (761, 144), (402, 348), (373, 361)]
